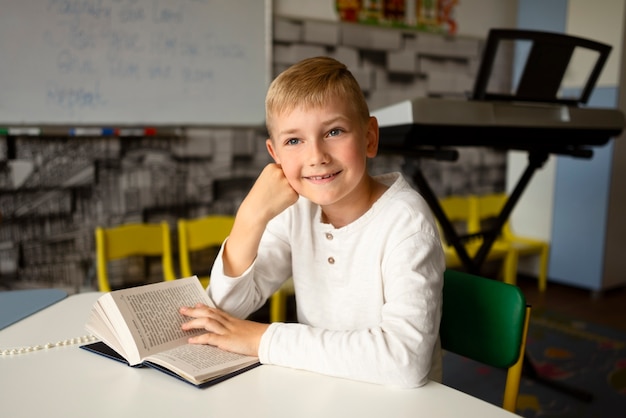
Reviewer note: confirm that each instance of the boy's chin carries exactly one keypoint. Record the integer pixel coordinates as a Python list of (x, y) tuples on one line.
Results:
[(319, 200)]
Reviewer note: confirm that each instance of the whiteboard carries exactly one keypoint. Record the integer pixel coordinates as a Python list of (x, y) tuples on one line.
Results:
[(134, 62)]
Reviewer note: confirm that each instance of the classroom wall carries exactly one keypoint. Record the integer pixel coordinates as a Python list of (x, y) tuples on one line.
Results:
[(584, 18)]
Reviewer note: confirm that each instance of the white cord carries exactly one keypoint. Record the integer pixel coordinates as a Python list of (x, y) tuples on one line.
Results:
[(70, 341)]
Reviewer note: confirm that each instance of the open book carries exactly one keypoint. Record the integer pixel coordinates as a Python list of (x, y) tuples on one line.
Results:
[(141, 326)]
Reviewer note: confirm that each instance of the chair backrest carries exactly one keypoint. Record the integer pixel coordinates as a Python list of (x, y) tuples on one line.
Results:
[(455, 207), (458, 210), (483, 319), (129, 240), (199, 234), (488, 207), (486, 321)]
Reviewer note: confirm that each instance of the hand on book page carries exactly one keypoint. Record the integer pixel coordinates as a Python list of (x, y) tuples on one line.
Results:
[(224, 331), (143, 326)]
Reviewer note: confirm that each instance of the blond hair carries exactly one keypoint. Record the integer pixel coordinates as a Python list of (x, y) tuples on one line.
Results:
[(312, 83)]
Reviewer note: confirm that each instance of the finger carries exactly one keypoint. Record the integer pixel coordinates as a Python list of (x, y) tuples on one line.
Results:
[(218, 315), (191, 311), (208, 338), (208, 324), (210, 317), (197, 311)]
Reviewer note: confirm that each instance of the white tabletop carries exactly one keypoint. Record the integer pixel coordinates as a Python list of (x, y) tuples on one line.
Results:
[(69, 381)]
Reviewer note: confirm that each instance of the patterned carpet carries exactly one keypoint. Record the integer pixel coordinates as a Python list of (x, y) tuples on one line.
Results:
[(579, 355)]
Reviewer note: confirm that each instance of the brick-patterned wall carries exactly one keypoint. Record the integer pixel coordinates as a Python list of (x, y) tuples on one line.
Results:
[(55, 190)]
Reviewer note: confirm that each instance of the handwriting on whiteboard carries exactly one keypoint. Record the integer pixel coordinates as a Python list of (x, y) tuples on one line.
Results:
[(152, 61)]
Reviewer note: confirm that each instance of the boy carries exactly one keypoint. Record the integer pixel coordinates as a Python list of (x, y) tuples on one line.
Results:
[(363, 251)]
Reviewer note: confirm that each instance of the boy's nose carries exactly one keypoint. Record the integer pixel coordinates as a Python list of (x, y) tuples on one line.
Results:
[(317, 153)]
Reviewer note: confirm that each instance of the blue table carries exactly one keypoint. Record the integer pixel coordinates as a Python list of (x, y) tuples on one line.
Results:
[(18, 304)]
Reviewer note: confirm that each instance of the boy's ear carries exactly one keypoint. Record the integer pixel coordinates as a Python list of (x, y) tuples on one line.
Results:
[(270, 148), (372, 137)]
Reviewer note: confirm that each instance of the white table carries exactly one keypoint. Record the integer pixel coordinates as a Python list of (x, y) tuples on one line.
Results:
[(71, 382)]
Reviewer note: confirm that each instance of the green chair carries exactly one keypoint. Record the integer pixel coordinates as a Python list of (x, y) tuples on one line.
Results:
[(487, 321)]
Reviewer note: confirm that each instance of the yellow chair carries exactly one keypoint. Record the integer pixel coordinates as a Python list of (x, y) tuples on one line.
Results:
[(278, 302), (201, 234), (460, 210), (457, 210), (129, 240), (211, 231), (488, 207), (486, 321)]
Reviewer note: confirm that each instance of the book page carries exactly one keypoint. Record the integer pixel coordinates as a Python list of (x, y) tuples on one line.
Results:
[(150, 320), (99, 324), (199, 363)]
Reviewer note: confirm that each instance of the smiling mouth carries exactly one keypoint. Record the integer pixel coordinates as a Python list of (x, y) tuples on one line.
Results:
[(324, 177)]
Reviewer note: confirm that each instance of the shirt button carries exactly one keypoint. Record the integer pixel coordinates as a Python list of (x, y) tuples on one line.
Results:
[(329, 236), (331, 260)]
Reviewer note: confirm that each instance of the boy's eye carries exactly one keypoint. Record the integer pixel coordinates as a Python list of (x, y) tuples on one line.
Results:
[(334, 132), (292, 141)]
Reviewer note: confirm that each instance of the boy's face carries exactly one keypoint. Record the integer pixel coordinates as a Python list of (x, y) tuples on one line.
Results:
[(323, 152)]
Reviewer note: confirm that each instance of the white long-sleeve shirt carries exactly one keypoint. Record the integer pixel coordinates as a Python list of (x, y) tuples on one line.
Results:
[(368, 295)]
